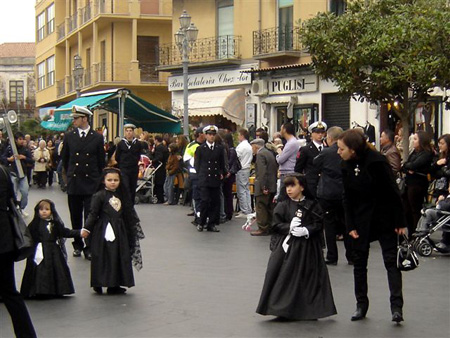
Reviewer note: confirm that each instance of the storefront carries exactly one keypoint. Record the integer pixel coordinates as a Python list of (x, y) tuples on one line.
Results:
[(215, 97)]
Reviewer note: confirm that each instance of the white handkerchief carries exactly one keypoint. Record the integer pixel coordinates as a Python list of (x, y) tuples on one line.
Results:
[(39, 255), (109, 233)]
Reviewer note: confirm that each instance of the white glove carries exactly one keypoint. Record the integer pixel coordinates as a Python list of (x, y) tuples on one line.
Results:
[(300, 232), (296, 222)]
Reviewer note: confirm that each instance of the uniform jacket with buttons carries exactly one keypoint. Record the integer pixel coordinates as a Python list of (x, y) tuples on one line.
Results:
[(210, 165), (305, 165), (83, 161)]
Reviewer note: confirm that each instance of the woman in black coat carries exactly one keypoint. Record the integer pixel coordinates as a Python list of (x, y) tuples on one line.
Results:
[(23, 327), (373, 211), (417, 168)]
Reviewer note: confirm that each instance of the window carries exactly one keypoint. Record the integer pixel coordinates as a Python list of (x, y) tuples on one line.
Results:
[(41, 75), (16, 92), (40, 27), (338, 7), (50, 19), (225, 29), (285, 24), (50, 71)]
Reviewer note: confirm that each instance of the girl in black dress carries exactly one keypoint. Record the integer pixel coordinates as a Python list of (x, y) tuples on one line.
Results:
[(297, 285), (114, 226), (47, 273)]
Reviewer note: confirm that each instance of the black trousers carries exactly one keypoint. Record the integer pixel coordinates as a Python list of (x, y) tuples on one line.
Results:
[(209, 206), (388, 243), (196, 196), (23, 327), (129, 177), (79, 207), (334, 224), (227, 189), (413, 200)]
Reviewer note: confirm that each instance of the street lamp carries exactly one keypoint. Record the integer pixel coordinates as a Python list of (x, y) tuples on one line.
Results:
[(77, 72), (184, 39)]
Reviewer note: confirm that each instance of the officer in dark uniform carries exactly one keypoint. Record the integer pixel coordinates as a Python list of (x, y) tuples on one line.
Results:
[(306, 154), (128, 154), (210, 168), (83, 157)]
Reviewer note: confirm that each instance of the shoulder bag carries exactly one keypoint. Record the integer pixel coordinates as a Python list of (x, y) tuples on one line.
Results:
[(407, 258)]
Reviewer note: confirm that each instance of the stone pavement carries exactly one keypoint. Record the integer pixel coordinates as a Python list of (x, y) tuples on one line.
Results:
[(208, 285)]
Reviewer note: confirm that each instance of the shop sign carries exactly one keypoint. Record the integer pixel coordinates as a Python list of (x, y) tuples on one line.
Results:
[(298, 84), (209, 80)]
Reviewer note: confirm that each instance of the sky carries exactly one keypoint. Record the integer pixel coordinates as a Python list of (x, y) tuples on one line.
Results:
[(18, 21)]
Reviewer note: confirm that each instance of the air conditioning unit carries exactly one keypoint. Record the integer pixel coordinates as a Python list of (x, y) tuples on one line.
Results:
[(259, 87)]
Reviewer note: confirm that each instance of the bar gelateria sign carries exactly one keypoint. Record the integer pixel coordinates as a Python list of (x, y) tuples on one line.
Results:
[(209, 80)]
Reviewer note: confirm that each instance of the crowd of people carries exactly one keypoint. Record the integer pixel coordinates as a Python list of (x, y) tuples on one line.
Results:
[(305, 193)]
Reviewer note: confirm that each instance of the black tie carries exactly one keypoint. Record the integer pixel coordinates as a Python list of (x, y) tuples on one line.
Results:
[(83, 135), (212, 147), (320, 149)]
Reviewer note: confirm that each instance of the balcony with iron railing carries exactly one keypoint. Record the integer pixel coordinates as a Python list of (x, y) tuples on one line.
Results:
[(148, 72), (72, 24), (86, 14), (277, 42), (220, 49), (60, 87), (61, 31), (103, 7)]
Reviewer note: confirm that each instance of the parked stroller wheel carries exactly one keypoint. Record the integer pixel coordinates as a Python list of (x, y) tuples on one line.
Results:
[(154, 199), (137, 200), (424, 249)]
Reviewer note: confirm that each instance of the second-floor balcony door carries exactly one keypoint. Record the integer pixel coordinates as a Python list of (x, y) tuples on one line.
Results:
[(285, 25), (225, 29), (147, 57)]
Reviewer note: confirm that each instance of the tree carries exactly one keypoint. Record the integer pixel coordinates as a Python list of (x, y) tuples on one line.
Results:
[(384, 51)]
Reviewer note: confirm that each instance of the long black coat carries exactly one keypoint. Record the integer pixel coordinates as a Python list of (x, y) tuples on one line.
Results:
[(372, 200), (210, 164), (6, 192), (328, 164), (297, 285), (160, 155), (83, 161), (305, 165)]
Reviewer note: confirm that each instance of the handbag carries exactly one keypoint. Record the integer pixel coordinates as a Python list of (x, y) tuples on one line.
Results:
[(400, 180), (23, 241), (407, 258)]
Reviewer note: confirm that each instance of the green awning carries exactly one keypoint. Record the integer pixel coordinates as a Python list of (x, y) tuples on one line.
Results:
[(137, 111)]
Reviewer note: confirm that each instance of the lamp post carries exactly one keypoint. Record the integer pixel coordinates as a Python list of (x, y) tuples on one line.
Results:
[(77, 72), (184, 39)]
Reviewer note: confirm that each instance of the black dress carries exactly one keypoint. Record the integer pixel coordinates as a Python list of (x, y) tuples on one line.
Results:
[(111, 260), (297, 285), (52, 276)]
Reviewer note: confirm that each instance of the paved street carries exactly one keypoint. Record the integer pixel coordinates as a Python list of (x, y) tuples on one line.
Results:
[(208, 285)]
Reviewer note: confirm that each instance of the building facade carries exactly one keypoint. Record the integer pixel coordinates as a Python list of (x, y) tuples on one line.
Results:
[(117, 43), (261, 40), (17, 80)]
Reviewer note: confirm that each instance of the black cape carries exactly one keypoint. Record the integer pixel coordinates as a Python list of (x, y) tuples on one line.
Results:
[(297, 285), (52, 276), (111, 261)]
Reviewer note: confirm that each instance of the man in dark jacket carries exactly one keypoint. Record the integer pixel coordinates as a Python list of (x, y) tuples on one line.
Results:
[(160, 156), (389, 150), (23, 327), (306, 154), (210, 168), (128, 154), (265, 186), (330, 192), (83, 157), (21, 184)]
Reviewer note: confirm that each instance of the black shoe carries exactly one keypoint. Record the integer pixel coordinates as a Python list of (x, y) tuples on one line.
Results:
[(117, 290), (327, 262), (212, 229), (98, 290), (87, 255), (397, 317), (359, 314), (199, 228), (190, 214), (76, 253), (194, 223)]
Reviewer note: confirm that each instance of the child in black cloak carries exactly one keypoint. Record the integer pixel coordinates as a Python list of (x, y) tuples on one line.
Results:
[(297, 286), (115, 230), (47, 273)]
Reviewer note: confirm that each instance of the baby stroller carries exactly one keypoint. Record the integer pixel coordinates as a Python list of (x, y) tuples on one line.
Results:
[(423, 244), (146, 182)]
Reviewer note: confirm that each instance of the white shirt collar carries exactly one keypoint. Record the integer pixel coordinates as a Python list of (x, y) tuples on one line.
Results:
[(210, 144), (85, 130), (317, 144)]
